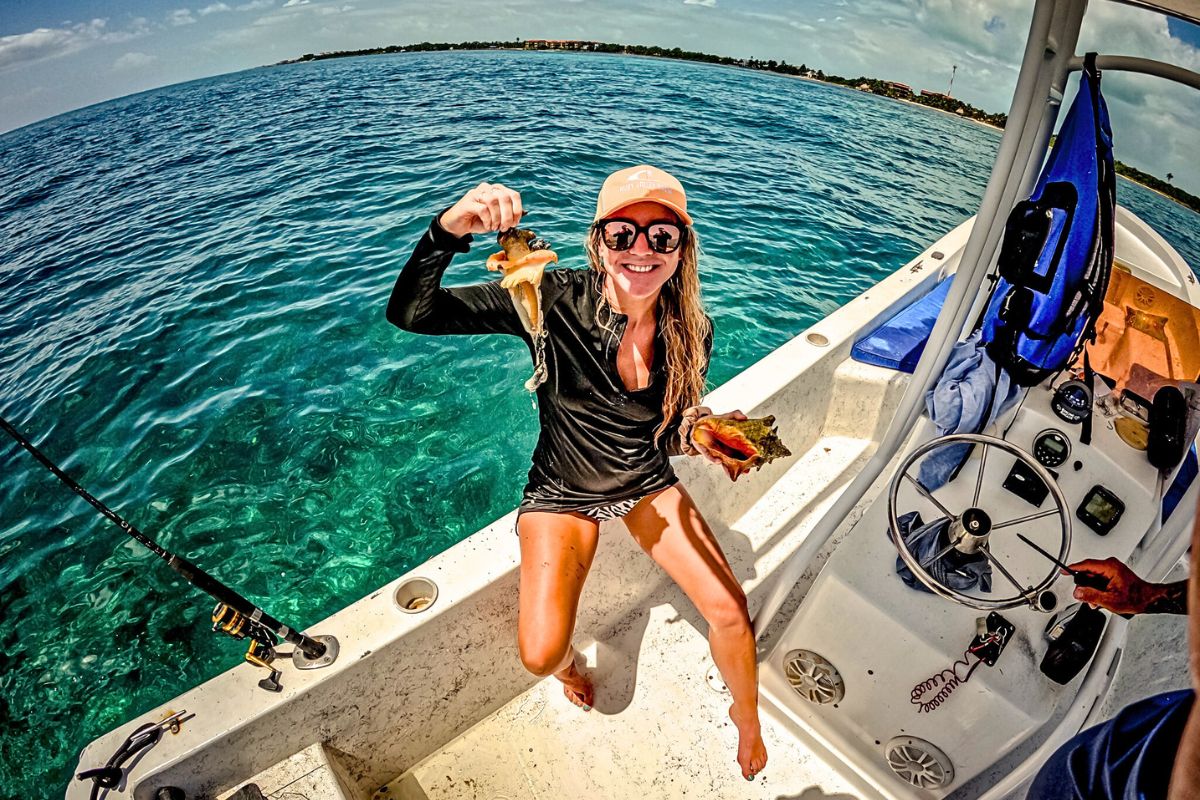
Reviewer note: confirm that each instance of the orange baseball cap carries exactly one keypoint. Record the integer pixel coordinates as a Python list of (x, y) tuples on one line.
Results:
[(642, 183)]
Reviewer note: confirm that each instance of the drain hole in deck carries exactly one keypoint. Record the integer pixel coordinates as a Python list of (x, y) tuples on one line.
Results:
[(819, 339)]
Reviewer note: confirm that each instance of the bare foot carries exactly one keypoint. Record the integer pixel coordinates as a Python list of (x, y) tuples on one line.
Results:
[(752, 753), (577, 687)]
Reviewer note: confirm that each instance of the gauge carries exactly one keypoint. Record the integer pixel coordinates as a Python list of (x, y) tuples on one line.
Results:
[(1051, 447), (1072, 402), (1100, 510)]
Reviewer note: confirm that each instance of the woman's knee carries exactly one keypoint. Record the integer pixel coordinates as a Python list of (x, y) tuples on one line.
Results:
[(727, 611), (544, 656)]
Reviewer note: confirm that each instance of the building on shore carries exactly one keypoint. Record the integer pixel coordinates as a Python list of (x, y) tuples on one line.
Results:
[(559, 44)]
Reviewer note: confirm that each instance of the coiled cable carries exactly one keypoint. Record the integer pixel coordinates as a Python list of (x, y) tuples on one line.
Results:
[(946, 681)]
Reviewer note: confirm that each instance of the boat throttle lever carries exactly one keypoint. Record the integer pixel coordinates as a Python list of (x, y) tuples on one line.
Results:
[(1074, 635)]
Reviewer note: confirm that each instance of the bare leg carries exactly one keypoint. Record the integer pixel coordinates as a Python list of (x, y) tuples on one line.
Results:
[(670, 528), (556, 554)]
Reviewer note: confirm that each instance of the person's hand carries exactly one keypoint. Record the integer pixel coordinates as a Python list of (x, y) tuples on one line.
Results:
[(488, 207), (1126, 593), (701, 449)]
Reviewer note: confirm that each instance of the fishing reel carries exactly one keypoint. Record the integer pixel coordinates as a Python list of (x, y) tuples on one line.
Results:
[(261, 653)]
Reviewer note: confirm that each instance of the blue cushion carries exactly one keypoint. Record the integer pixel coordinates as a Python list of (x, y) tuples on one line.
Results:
[(898, 343)]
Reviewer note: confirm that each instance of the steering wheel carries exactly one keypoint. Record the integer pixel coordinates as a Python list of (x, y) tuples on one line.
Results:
[(970, 531)]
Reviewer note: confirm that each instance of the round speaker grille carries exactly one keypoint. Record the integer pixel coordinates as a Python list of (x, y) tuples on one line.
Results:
[(918, 762), (813, 677)]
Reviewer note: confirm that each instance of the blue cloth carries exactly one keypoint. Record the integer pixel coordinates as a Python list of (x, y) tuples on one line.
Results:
[(966, 399), (955, 570), (1127, 758)]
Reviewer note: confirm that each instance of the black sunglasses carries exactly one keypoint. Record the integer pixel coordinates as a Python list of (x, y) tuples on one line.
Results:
[(620, 234)]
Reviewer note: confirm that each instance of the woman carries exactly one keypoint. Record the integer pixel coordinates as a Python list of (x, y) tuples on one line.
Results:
[(627, 347)]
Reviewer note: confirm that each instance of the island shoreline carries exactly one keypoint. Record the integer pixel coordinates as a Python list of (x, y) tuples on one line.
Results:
[(964, 111)]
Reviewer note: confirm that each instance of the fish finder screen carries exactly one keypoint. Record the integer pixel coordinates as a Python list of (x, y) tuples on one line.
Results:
[(1101, 509)]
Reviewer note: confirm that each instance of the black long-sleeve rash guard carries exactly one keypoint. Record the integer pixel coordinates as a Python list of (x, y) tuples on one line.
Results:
[(597, 437)]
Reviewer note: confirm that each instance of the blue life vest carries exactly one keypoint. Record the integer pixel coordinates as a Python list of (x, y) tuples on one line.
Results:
[(1057, 251)]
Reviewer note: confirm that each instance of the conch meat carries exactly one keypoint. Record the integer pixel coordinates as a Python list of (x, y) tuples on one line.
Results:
[(741, 445), (523, 260)]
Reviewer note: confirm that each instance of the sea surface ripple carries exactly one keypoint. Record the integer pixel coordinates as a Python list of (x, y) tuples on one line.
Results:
[(192, 285)]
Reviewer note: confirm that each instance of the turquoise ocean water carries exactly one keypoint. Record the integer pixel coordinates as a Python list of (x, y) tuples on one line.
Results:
[(192, 285)]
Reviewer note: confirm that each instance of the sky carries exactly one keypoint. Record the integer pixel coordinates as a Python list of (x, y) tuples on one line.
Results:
[(58, 55)]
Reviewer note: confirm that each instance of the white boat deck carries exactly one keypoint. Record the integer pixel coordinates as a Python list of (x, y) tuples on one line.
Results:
[(657, 720), (660, 717), (540, 746)]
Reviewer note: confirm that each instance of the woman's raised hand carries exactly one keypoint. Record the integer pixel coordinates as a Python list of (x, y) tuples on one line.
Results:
[(488, 207)]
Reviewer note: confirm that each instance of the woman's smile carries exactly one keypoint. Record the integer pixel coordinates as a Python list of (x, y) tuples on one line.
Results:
[(639, 269)]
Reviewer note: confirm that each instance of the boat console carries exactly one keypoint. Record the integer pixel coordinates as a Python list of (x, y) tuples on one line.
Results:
[(922, 685)]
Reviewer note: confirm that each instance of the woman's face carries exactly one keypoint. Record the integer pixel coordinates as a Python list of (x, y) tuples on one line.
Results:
[(639, 271)]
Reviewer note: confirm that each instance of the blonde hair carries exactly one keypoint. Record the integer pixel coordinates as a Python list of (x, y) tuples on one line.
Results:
[(681, 321)]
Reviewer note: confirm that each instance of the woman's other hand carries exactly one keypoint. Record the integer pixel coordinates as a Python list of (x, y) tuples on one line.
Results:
[(688, 419), (486, 208)]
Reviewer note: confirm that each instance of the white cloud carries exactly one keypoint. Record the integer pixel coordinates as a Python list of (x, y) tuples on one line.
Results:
[(291, 13), (330, 10), (913, 41), (1129, 32), (1154, 121), (43, 43), (132, 61), (985, 31)]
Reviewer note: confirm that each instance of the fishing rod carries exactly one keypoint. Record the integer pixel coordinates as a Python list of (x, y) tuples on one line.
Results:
[(234, 615)]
